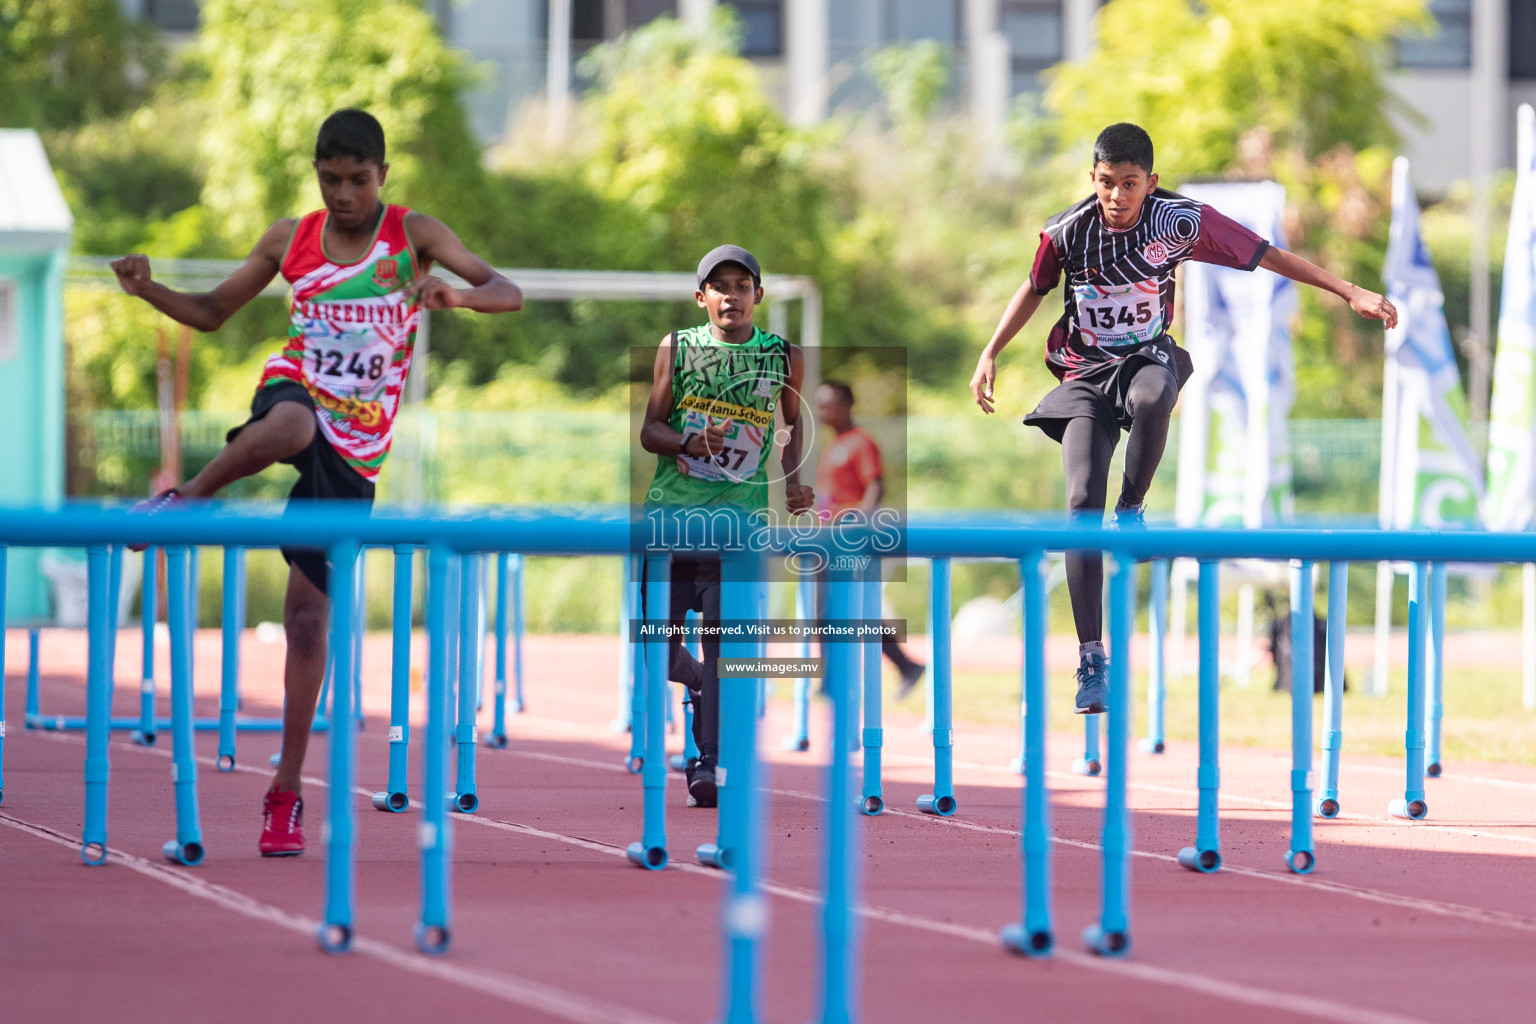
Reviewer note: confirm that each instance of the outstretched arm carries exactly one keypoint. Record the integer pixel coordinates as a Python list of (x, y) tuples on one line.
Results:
[(1020, 308), (1366, 303), (207, 311), (489, 292)]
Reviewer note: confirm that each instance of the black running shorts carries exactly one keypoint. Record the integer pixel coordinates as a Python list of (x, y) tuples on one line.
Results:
[(323, 475)]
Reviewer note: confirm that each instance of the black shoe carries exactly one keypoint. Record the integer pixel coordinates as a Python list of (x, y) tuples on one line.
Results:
[(701, 783), (909, 678)]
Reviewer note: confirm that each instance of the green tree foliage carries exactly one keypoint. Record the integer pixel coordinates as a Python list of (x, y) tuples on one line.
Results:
[(276, 68), (63, 62), (1198, 76)]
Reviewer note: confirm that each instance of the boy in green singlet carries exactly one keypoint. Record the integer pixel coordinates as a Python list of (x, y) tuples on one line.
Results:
[(715, 393)]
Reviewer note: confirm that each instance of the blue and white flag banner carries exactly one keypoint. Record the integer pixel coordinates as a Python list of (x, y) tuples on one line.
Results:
[(1511, 499), (1234, 442), (1430, 475)]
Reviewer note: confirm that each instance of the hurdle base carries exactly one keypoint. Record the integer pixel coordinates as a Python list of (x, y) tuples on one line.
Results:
[(276, 759), (713, 855), (1300, 862), (677, 762), (871, 805), (142, 738), (1016, 766), (1106, 944), (1413, 810), (635, 764), (1151, 746), (1203, 861), (93, 854), (393, 801), (1083, 766), (226, 763), (188, 854), (1326, 807), (943, 806), (334, 938), (1035, 945), (495, 741), (796, 743), (433, 939), (1433, 770), (517, 706), (464, 803), (652, 858)]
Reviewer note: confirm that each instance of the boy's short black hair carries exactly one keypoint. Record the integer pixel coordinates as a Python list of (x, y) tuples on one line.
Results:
[(1124, 143), (843, 390), (351, 132)]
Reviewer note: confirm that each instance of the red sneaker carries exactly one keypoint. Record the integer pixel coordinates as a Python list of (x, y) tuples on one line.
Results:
[(282, 832), (159, 503)]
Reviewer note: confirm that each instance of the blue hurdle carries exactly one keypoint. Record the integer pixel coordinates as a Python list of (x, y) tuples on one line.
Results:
[(1413, 804), (1205, 855), (872, 799), (396, 797), (435, 834), (679, 762), (942, 800), (1333, 689), (1436, 655), (1157, 667), (649, 727), (805, 611)]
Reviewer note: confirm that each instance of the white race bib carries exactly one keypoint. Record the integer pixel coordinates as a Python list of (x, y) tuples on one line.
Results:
[(737, 462), (1121, 314)]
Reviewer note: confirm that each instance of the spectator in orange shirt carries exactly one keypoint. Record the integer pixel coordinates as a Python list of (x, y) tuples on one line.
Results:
[(850, 478)]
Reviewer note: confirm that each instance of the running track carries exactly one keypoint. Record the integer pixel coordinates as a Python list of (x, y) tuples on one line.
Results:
[(1401, 922)]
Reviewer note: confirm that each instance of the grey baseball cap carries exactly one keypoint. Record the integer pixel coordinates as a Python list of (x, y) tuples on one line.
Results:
[(729, 254)]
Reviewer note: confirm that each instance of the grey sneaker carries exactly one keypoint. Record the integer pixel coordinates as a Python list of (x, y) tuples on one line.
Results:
[(1134, 518), (1092, 685)]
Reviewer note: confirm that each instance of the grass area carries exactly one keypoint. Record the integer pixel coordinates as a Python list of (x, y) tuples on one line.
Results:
[(1484, 720)]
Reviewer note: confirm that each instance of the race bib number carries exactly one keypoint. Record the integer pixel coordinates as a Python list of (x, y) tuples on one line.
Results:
[(736, 463), (1126, 314), (347, 362)]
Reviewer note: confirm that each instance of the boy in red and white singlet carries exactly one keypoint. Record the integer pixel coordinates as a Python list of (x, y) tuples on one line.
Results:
[(326, 403), (1119, 370)]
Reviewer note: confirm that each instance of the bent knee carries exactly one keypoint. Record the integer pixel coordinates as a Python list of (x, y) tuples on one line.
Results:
[(1153, 394), (292, 426)]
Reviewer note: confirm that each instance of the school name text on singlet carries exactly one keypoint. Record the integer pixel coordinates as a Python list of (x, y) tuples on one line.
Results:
[(714, 381), (351, 333)]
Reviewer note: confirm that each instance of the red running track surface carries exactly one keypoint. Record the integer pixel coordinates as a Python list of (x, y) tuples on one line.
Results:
[(1433, 921)]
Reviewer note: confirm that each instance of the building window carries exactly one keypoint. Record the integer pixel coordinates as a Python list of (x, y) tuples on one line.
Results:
[(1448, 45), (762, 27), (908, 21), (587, 21), (1522, 38), (638, 12), (1033, 29), (171, 15)]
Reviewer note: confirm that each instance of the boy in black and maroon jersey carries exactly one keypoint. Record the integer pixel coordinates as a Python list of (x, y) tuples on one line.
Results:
[(1119, 369)]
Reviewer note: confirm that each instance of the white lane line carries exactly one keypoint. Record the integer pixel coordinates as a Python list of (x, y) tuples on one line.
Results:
[(1441, 908), (530, 995), (1259, 802), (1251, 995), (1453, 910), (1444, 909)]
